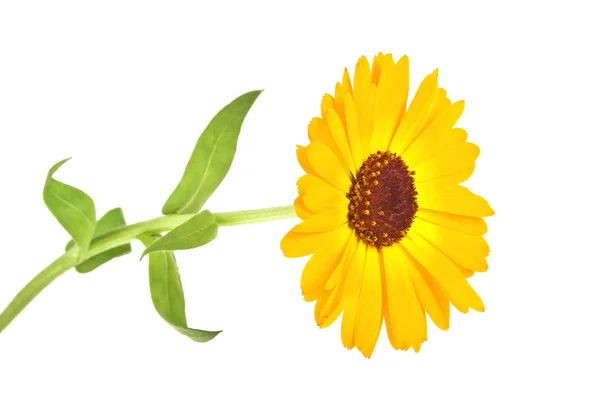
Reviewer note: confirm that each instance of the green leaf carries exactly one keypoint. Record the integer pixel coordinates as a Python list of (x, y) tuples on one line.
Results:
[(193, 233), (112, 220), (73, 208), (211, 158), (167, 292)]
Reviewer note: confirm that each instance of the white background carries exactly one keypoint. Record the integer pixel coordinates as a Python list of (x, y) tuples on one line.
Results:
[(126, 88)]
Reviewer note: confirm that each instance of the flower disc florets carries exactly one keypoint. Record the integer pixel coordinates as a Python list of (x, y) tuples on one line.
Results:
[(383, 200)]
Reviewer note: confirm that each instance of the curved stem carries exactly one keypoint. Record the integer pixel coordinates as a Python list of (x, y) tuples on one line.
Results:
[(122, 236), (126, 234), (61, 265)]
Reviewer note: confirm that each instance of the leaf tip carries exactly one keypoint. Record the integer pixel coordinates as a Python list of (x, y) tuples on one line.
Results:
[(209, 336), (56, 166), (253, 95)]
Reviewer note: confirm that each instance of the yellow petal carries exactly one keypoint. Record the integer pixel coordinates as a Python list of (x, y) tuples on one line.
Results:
[(368, 351), (456, 112), (302, 188), (324, 220), (428, 291), (327, 103), (463, 308), (453, 199), (364, 91), (439, 136), (458, 177), (303, 160), (443, 270), (460, 223), (366, 128), (351, 294), (446, 114), (338, 101), (306, 182), (338, 132), (430, 142), (346, 81), (300, 208), (335, 286), (469, 251), (369, 311), (318, 201), (358, 153), (327, 165), (323, 262), (442, 165), (299, 244), (362, 83), (326, 318), (341, 271), (318, 130), (458, 135), (418, 114), (465, 271), (377, 63), (329, 308), (390, 103), (314, 186), (404, 316)]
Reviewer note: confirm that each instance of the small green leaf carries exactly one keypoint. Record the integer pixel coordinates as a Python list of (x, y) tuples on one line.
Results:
[(112, 220), (193, 233), (211, 158), (72, 208), (167, 292)]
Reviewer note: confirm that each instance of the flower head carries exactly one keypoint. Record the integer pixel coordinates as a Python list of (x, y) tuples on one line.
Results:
[(392, 233)]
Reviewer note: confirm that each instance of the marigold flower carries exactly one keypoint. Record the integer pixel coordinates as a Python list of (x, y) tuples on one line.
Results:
[(392, 233)]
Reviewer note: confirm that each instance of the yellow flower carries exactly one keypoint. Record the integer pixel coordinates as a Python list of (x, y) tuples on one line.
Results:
[(392, 233)]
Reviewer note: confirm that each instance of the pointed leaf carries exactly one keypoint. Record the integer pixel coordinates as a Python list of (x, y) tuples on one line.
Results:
[(167, 293), (112, 220), (211, 158), (193, 233), (72, 208)]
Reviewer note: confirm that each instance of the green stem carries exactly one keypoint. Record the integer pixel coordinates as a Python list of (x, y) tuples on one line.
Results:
[(61, 265), (130, 233), (122, 236), (125, 235), (254, 216)]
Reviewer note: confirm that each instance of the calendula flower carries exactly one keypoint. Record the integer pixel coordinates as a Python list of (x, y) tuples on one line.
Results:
[(392, 233)]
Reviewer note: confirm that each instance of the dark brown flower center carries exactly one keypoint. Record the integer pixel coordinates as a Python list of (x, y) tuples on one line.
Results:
[(383, 200)]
